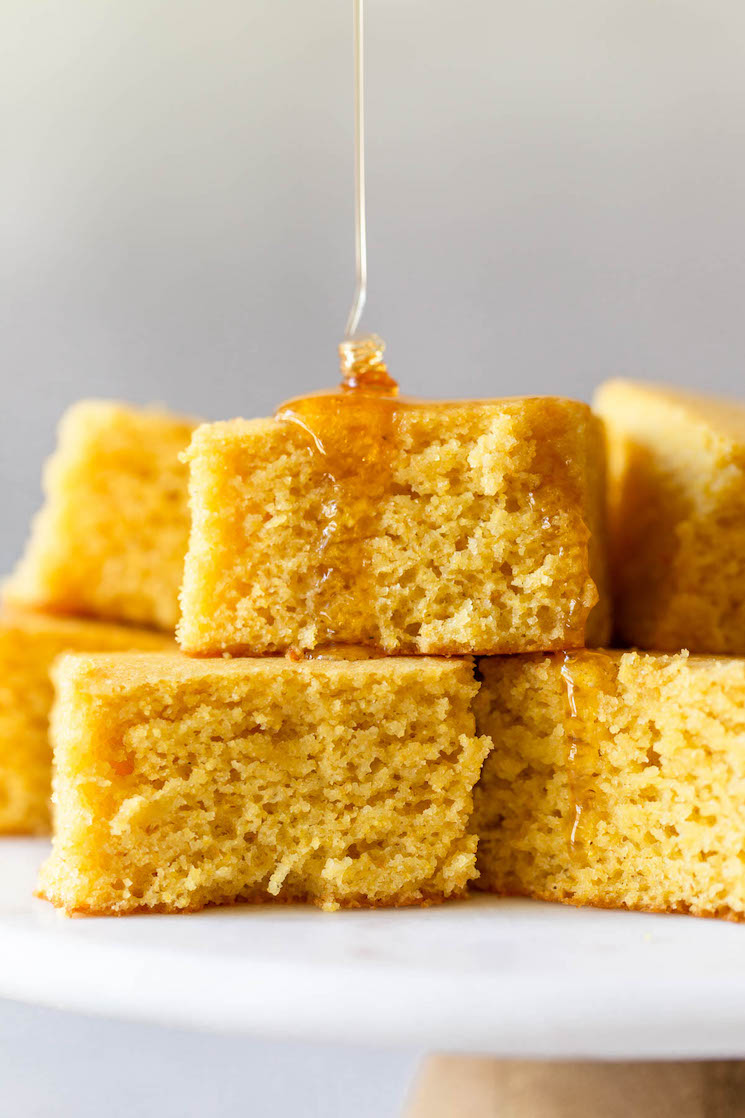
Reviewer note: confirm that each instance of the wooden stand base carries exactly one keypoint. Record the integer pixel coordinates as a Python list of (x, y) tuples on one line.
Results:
[(472, 1087)]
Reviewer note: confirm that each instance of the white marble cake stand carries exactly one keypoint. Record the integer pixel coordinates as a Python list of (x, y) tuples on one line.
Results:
[(514, 979)]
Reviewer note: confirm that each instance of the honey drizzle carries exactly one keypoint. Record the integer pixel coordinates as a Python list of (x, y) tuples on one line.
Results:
[(354, 433), (582, 673), (575, 806), (353, 430), (363, 368)]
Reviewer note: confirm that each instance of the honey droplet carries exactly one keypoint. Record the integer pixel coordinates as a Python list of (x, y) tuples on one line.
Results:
[(363, 367)]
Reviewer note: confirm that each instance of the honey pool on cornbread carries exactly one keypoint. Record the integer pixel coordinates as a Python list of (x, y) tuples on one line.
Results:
[(416, 527), (617, 779), (181, 783)]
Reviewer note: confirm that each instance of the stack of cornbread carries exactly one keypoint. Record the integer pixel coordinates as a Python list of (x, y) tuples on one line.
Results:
[(102, 572), (618, 777), (383, 692)]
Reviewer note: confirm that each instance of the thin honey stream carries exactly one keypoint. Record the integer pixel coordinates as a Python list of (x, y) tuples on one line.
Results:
[(353, 435)]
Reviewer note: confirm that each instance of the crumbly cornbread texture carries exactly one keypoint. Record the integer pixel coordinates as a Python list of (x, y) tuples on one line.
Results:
[(616, 779), (181, 783), (428, 529), (677, 517), (29, 643), (110, 540)]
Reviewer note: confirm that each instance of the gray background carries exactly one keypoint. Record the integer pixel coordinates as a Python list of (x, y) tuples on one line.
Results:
[(555, 196)]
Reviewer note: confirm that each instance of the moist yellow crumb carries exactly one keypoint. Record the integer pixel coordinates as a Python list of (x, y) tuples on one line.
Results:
[(474, 527), (181, 783), (29, 643), (616, 779), (110, 539), (677, 517)]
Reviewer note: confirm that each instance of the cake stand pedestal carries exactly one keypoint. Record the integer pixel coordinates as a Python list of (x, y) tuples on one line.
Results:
[(510, 979), (473, 1087)]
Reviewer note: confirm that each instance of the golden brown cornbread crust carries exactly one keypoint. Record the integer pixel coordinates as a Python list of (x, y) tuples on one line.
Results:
[(615, 780), (420, 899), (600, 901), (487, 534), (181, 783), (677, 517), (110, 539), (29, 644)]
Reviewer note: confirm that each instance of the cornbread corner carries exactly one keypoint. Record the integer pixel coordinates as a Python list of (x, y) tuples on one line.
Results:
[(183, 783), (29, 643), (110, 539), (616, 780), (677, 517), (439, 529)]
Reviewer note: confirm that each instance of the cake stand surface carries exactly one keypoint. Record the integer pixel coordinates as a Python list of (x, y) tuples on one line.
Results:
[(512, 978)]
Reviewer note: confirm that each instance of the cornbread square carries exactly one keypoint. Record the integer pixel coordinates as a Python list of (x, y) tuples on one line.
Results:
[(29, 643), (617, 779), (436, 529), (110, 539), (677, 517), (181, 783)]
